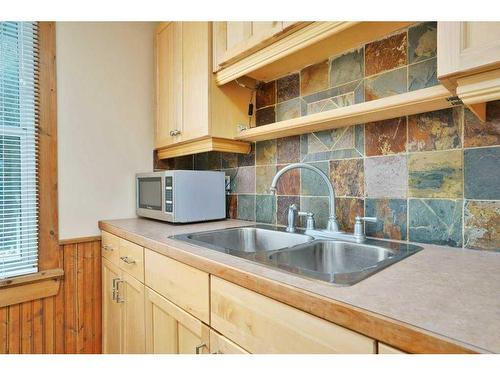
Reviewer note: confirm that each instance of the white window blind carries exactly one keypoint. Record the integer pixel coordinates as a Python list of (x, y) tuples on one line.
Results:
[(18, 148)]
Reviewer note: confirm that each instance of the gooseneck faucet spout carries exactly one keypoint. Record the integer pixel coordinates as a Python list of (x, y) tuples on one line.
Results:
[(333, 225)]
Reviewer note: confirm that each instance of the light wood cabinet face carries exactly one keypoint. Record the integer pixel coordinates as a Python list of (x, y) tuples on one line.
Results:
[(168, 83), (222, 345), (132, 259), (110, 247), (235, 39), (262, 325), (132, 300), (184, 285), (386, 349), (464, 46), (170, 330), (111, 311)]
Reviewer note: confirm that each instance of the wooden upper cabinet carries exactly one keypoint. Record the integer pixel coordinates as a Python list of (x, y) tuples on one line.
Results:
[(467, 46), (187, 99), (236, 39)]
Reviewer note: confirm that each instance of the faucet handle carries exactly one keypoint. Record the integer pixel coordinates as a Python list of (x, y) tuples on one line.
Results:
[(310, 224), (370, 219), (359, 232)]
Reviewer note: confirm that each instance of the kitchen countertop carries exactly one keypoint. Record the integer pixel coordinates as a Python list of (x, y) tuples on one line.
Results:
[(446, 293)]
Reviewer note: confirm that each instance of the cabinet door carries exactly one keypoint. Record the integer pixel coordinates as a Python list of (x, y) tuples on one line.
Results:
[(236, 39), (222, 345), (196, 68), (465, 46), (386, 349), (168, 83), (171, 330), (111, 310), (130, 293)]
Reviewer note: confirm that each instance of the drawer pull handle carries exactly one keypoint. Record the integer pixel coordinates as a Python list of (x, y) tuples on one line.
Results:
[(119, 299), (114, 288), (128, 260), (199, 348)]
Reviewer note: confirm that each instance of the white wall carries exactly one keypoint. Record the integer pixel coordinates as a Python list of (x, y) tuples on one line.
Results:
[(105, 120)]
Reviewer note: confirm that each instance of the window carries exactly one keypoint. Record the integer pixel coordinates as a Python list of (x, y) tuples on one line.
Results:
[(18, 148)]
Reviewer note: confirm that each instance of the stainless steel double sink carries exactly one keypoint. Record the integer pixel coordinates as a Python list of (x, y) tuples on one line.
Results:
[(335, 261)]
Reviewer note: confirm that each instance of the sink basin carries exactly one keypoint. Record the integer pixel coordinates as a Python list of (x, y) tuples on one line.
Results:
[(335, 260), (247, 239), (339, 262)]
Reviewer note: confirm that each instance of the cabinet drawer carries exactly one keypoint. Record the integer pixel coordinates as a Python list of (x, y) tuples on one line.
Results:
[(185, 286), (131, 259), (262, 325), (222, 345), (110, 247)]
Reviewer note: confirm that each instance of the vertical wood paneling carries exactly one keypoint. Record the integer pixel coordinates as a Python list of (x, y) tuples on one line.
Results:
[(69, 322)]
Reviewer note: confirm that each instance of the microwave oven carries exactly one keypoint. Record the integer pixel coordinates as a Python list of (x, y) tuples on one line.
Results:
[(180, 196)]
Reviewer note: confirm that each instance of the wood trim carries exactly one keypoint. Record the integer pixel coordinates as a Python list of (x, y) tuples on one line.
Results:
[(69, 241), (424, 100), (55, 273), (401, 335), (204, 145), (48, 246), (479, 88)]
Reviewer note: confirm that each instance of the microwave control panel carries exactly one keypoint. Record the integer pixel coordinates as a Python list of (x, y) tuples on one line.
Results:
[(169, 194)]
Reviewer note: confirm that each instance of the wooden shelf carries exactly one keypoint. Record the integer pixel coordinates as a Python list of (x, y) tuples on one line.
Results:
[(424, 100), (311, 44), (204, 144)]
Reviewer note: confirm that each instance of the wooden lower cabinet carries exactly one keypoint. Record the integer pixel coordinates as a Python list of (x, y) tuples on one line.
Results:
[(222, 345), (171, 330), (386, 349), (122, 312), (262, 325), (111, 311)]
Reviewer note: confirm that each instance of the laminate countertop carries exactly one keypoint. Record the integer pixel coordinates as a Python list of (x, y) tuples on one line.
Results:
[(440, 299)]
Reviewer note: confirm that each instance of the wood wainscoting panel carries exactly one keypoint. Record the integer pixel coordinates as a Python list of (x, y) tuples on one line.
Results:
[(69, 322)]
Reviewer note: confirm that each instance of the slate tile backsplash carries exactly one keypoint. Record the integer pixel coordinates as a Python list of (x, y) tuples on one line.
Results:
[(432, 177)]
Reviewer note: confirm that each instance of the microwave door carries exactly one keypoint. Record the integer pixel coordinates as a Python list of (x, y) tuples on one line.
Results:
[(150, 194)]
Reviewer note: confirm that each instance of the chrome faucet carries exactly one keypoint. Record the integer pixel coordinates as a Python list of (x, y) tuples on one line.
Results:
[(333, 225)]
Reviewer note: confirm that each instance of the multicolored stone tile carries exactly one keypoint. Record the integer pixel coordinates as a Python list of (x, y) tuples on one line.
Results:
[(265, 94), (386, 54), (207, 161), (319, 206), (386, 84), (245, 180), (265, 209), (263, 178), (422, 75), (282, 211), (435, 174), (422, 41), (482, 173), (246, 207), (347, 209), (482, 225), (346, 94), (288, 87), (246, 160), (477, 133), (312, 183), (265, 152), (232, 206), (386, 177), (391, 215), (347, 67), (288, 150), (436, 130), (288, 110), (436, 221), (289, 183), (229, 160), (314, 78), (265, 116), (385, 137), (347, 177)]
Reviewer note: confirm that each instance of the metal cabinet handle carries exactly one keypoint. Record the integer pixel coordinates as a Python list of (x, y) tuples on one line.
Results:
[(108, 247), (175, 132), (114, 288), (118, 297), (128, 260), (199, 348)]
